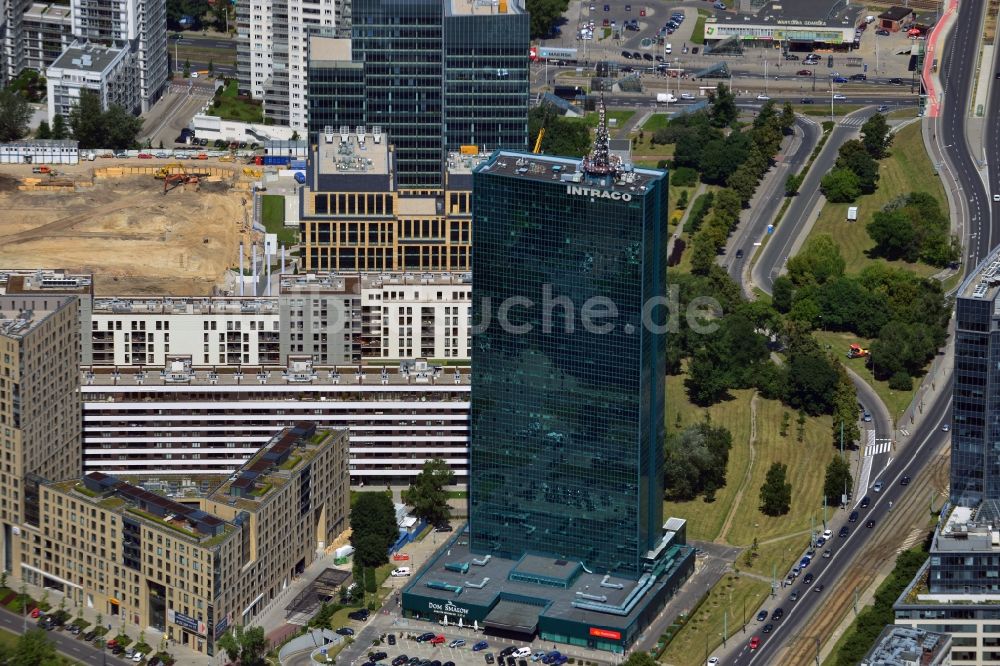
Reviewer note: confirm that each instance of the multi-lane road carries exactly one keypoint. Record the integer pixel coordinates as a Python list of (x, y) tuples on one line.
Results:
[(958, 70), (991, 136)]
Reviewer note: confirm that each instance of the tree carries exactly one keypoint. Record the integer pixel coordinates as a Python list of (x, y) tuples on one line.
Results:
[(427, 495), (838, 480), (894, 235), (812, 381), (373, 528), (562, 136), (544, 16), (696, 461), (776, 492), (43, 131), (781, 295), (723, 112), (15, 114), (33, 649), (840, 186), (876, 136), (295, 135), (59, 129), (787, 120), (819, 262), (852, 155), (245, 645), (792, 184), (640, 658), (706, 381), (187, 68), (120, 129)]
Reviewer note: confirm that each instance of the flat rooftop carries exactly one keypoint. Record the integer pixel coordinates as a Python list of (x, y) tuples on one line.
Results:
[(901, 646), (16, 321), (805, 13), (88, 57), (329, 48), (565, 170), (357, 150), (483, 579), (41, 11), (463, 164), (45, 281), (184, 305), (299, 373), (982, 283), (483, 7)]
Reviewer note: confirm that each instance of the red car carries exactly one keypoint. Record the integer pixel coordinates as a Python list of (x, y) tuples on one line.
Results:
[(437, 640), (805, 72), (145, 156), (36, 613), (754, 643)]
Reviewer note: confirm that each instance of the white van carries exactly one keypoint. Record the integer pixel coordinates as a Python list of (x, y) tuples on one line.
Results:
[(401, 571), (668, 48)]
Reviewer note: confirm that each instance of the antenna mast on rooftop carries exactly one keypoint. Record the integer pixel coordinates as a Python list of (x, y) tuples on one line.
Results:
[(600, 162)]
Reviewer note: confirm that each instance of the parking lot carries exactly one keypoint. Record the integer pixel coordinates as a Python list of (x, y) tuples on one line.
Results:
[(879, 57), (457, 650)]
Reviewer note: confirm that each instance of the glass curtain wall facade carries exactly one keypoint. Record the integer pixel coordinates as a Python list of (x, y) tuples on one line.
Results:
[(431, 79), (567, 418), (486, 83), (975, 452)]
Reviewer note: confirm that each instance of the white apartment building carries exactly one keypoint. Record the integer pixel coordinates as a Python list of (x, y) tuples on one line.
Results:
[(271, 52), (107, 71), (46, 32), (181, 385), (142, 24)]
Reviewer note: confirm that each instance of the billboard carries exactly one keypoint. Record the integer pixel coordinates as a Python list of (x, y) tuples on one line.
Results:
[(605, 633), (553, 53)]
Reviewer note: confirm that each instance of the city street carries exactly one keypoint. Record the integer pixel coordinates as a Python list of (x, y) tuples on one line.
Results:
[(65, 642)]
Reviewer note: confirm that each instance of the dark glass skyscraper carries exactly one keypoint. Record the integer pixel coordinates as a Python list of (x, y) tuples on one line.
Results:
[(975, 435), (567, 376), (433, 74)]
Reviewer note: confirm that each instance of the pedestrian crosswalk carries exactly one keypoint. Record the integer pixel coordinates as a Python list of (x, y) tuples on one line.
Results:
[(904, 433), (853, 121), (878, 447)]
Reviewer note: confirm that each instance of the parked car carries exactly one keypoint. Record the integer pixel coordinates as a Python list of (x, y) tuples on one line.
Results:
[(805, 72), (767, 628), (507, 651), (899, 82), (361, 614), (844, 531), (762, 615), (778, 614), (481, 645), (881, 32), (827, 554), (839, 79), (538, 656), (376, 656), (458, 642), (791, 56), (807, 579), (392, 639), (865, 501), (423, 638), (859, 77), (794, 596), (489, 658), (853, 518)]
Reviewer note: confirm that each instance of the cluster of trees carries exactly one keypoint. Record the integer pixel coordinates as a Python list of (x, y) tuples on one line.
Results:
[(907, 314), (856, 170), (737, 355), (563, 136), (246, 646), (31, 85), (427, 495), (913, 228), (58, 129), (711, 237), (545, 16), (115, 128), (696, 460), (15, 115), (204, 16)]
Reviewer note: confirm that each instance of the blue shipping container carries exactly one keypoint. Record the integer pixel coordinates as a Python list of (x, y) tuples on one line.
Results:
[(277, 160), (298, 164)]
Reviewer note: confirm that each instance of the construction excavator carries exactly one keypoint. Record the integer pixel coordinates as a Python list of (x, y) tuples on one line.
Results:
[(174, 180), (168, 169)]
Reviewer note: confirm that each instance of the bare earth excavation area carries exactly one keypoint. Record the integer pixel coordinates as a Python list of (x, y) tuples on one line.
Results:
[(135, 239)]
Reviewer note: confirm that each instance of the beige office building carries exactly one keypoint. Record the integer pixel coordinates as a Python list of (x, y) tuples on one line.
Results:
[(40, 415), (199, 561)]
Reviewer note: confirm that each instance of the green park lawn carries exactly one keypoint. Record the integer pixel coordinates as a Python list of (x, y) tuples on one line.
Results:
[(907, 169), (229, 106)]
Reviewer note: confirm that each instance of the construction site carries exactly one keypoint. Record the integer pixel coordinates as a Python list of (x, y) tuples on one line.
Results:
[(171, 229)]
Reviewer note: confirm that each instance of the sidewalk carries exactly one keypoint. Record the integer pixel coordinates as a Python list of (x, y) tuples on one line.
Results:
[(151, 637)]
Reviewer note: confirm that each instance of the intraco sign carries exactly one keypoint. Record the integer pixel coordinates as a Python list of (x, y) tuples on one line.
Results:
[(576, 190), (605, 633)]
